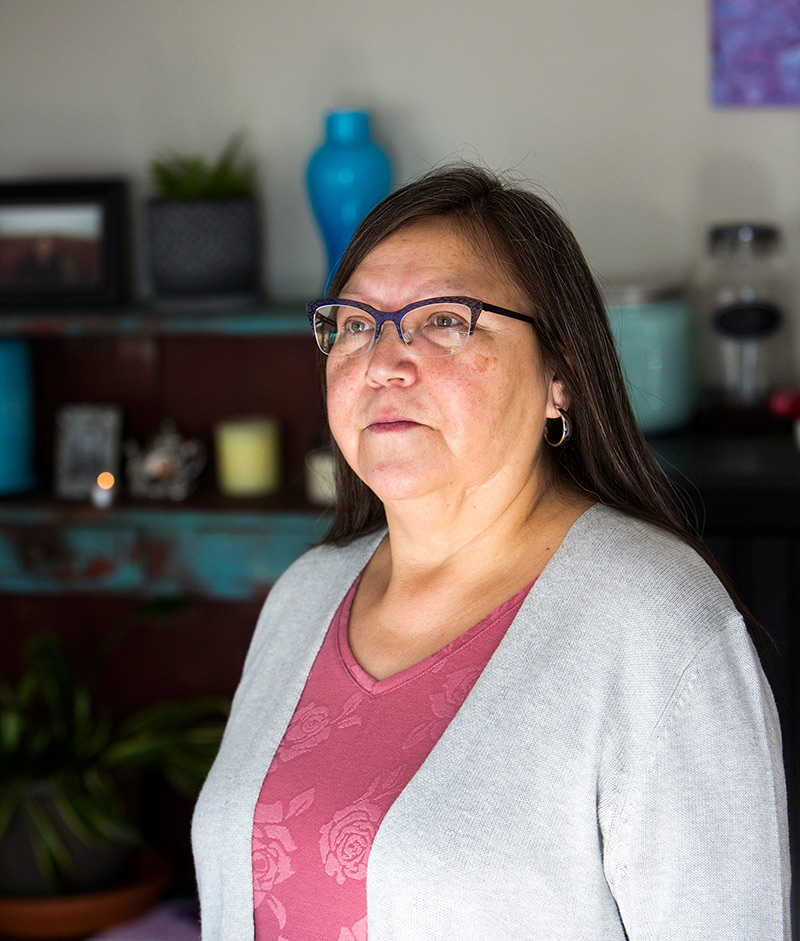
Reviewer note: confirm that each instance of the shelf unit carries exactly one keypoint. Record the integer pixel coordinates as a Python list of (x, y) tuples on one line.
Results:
[(207, 547)]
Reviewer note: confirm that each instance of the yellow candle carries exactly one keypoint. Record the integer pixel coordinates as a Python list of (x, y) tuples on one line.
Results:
[(248, 456)]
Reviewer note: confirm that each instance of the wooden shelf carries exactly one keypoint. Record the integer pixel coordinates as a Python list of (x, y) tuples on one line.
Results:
[(159, 550)]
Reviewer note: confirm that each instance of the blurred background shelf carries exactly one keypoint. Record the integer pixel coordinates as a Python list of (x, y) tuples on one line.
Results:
[(286, 318), (198, 550)]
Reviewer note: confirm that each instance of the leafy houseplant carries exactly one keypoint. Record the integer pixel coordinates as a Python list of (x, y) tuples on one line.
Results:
[(193, 177), (61, 763), (204, 229)]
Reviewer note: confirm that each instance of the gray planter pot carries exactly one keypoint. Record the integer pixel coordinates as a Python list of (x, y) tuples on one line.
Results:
[(203, 254)]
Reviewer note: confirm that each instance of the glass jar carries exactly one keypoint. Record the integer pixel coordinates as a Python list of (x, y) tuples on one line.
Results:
[(740, 298)]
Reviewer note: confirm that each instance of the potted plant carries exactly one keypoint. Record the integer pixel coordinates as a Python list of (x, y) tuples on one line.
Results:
[(203, 230), (65, 823)]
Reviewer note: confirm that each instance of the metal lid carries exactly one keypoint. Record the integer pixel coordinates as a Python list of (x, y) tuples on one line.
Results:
[(756, 235), (634, 294)]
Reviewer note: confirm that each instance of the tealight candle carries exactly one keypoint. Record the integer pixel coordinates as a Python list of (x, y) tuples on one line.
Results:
[(103, 490)]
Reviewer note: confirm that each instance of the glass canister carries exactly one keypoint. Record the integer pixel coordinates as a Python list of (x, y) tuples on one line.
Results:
[(651, 323), (740, 297)]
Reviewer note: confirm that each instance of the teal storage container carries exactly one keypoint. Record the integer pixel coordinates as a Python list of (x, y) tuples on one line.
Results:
[(16, 417), (653, 331)]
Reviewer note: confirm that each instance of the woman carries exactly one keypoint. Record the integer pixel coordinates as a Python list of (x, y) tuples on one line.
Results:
[(507, 698)]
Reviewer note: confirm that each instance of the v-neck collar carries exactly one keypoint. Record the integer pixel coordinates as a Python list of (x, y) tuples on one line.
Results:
[(377, 687)]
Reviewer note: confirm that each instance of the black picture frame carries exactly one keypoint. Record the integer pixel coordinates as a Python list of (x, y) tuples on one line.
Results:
[(64, 243)]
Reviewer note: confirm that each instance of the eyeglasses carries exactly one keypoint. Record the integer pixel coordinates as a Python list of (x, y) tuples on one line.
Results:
[(437, 326)]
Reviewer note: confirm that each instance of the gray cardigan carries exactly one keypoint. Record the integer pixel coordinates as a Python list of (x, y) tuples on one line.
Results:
[(615, 772)]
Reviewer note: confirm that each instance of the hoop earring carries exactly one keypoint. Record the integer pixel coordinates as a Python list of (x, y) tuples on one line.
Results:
[(566, 429)]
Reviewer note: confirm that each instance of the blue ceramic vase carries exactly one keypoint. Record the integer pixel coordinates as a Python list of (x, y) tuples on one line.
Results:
[(16, 417), (347, 176)]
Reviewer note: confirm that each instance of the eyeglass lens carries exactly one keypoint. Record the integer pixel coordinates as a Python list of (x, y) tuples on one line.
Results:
[(430, 330)]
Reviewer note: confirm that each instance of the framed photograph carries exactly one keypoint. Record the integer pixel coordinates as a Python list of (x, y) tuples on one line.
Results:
[(63, 244), (87, 444)]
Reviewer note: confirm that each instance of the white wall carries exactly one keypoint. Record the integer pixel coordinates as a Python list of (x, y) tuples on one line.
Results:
[(603, 103)]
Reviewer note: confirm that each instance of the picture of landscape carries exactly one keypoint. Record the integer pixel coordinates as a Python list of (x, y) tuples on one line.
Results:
[(50, 247)]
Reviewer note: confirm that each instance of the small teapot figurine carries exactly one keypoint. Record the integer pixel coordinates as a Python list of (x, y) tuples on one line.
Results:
[(167, 467)]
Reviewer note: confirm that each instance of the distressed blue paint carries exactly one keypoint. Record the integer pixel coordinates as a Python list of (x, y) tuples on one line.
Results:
[(49, 549), (283, 319), (79, 558)]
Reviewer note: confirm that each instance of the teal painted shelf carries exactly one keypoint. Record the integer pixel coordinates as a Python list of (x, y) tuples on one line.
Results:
[(53, 548), (286, 318)]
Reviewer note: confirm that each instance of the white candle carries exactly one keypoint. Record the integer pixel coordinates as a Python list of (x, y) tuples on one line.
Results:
[(320, 477)]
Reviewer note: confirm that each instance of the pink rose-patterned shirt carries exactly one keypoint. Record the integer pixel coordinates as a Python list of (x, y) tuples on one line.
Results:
[(352, 746)]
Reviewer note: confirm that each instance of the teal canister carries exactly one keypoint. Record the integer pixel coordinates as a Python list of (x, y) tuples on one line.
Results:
[(652, 328), (16, 417)]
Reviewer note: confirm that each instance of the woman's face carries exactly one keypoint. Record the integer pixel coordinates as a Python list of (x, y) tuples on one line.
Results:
[(450, 426)]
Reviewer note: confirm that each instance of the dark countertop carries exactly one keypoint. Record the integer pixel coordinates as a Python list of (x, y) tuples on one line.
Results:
[(767, 460), (738, 484)]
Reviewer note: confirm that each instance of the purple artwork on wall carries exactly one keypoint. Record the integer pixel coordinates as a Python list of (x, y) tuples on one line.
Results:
[(756, 52)]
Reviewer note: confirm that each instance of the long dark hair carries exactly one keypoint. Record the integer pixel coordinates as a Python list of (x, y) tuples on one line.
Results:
[(607, 456)]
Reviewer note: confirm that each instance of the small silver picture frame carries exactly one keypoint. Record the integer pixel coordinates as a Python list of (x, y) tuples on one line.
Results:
[(87, 443)]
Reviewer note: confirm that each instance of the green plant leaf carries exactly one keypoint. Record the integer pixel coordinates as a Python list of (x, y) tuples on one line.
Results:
[(50, 730), (110, 812), (101, 816), (182, 177), (10, 801), (27, 688), (67, 799), (12, 726), (164, 718), (52, 858), (93, 740)]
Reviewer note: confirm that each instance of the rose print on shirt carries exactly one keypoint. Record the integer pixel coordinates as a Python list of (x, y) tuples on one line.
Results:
[(357, 933), (444, 705), (345, 841), (312, 724), (272, 849)]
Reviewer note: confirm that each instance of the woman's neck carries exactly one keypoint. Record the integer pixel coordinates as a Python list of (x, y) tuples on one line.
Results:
[(475, 540), (419, 592)]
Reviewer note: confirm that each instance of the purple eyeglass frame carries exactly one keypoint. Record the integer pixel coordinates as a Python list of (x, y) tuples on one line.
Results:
[(380, 317)]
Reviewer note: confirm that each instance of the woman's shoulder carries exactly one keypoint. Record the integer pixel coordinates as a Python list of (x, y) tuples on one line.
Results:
[(633, 609), (625, 566), (616, 540)]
